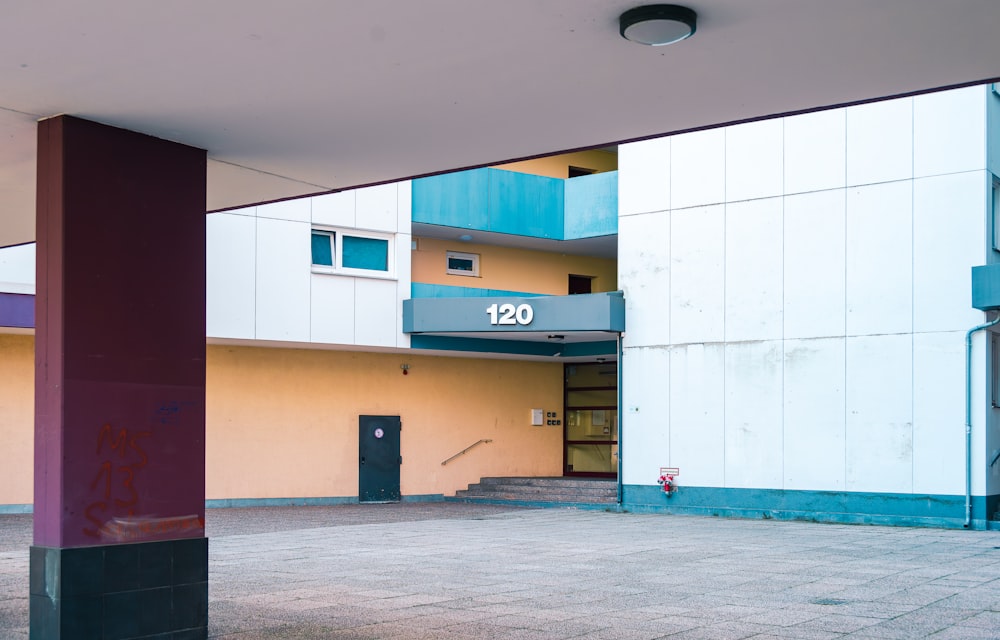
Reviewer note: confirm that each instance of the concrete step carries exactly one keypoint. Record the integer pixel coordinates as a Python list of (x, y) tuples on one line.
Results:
[(549, 481), (557, 490), (527, 492)]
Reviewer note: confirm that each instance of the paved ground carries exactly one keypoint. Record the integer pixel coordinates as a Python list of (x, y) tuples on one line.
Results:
[(463, 572)]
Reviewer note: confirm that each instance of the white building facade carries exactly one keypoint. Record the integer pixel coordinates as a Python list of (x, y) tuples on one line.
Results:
[(798, 295)]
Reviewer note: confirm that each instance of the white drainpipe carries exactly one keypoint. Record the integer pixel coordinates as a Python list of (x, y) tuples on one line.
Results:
[(968, 415)]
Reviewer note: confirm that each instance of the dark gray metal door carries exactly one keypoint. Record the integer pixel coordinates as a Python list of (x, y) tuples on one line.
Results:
[(379, 459)]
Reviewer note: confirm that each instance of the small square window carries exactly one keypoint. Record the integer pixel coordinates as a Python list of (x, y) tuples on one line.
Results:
[(462, 264), (323, 243)]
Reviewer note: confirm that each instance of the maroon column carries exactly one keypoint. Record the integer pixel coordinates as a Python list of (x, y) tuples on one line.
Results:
[(119, 542)]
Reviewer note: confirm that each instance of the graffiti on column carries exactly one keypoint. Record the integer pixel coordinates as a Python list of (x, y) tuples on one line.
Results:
[(115, 510)]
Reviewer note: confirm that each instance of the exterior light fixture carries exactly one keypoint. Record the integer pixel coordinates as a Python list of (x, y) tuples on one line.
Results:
[(465, 237), (658, 24)]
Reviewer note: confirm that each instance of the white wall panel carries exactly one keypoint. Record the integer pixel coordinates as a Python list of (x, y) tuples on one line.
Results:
[(993, 132), (298, 210), (880, 414), (230, 273), (697, 275), (949, 222), (814, 262), (753, 270), (17, 269), (375, 304), (377, 207), (754, 160), (282, 286), (334, 209), (939, 413), (698, 168), (879, 259), (404, 206), (880, 141), (332, 309), (697, 417), (403, 275), (754, 414), (644, 176), (815, 151), (644, 276), (814, 414), (645, 414), (949, 131)]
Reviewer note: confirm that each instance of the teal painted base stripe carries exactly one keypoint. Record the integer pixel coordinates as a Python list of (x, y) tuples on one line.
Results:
[(848, 507), (307, 502), (260, 502), (16, 508), (227, 503)]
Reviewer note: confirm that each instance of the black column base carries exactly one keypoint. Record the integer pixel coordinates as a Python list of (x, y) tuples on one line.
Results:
[(146, 590)]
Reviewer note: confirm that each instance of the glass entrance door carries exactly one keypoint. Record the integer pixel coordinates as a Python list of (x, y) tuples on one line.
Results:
[(591, 412)]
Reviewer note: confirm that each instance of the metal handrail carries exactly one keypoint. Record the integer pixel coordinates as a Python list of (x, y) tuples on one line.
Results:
[(463, 451)]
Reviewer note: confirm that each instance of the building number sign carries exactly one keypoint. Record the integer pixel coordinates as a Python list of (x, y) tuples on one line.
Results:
[(509, 314)]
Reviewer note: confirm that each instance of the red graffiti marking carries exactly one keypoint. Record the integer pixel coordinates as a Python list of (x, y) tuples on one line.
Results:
[(123, 495), (126, 529)]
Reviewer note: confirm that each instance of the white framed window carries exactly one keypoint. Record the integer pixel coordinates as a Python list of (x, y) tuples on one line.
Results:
[(462, 264), (995, 213), (994, 369), (355, 253)]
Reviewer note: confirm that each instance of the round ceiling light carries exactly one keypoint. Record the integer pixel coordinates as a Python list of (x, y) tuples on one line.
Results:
[(658, 24)]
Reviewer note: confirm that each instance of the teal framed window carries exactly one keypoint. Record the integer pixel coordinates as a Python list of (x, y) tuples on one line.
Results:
[(365, 253), (323, 245)]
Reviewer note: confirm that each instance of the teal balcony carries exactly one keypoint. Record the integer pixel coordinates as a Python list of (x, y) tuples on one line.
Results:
[(520, 204)]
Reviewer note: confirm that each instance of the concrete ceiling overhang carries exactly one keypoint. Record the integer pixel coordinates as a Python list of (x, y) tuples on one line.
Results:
[(305, 96)]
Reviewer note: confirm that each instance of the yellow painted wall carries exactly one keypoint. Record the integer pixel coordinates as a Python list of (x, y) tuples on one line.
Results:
[(284, 422), (17, 410), (558, 166), (511, 269)]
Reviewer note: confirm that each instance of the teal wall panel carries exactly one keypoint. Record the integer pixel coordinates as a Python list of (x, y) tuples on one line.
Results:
[(519, 203), (986, 287), (817, 506), (591, 206), (453, 199), (526, 205), (422, 290)]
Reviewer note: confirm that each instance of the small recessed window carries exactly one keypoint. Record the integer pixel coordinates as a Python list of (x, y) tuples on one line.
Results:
[(463, 264)]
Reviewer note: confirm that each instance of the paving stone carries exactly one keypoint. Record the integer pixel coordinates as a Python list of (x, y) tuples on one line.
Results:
[(422, 571)]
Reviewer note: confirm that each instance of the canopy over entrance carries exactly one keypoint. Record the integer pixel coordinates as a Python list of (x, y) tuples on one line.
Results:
[(310, 96)]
